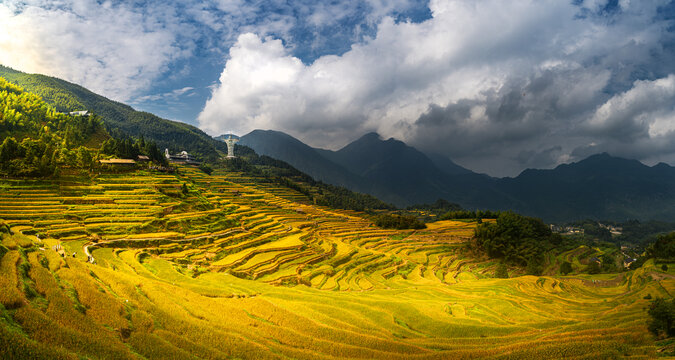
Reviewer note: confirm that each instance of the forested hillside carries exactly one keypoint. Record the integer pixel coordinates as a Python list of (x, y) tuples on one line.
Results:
[(120, 119), (39, 141)]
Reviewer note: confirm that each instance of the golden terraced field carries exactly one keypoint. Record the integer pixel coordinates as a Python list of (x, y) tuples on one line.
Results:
[(237, 268)]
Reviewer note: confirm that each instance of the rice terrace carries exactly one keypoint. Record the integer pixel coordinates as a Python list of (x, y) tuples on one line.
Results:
[(236, 269)]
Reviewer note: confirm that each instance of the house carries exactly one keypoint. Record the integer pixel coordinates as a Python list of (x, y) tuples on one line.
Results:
[(80, 113), (143, 158), (118, 162), (182, 156)]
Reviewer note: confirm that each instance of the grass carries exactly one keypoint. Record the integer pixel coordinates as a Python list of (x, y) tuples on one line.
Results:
[(247, 275)]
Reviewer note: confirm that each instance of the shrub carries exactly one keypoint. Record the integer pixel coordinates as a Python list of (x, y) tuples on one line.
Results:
[(501, 272), (399, 222), (206, 168), (565, 268), (594, 267), (663, 248), (662, 313), (534, 267)]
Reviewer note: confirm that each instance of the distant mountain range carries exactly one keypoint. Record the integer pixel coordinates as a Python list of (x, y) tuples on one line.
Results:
[(599, 187)]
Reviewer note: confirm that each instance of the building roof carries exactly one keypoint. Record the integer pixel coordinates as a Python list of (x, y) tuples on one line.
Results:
[(118, 161), (143, 158), (80, 113)]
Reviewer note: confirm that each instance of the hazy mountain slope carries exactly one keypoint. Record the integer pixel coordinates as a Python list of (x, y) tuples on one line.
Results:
[(118, 117), (403, 175), (388, 169), (284, 147), (390, 162), (446, 165), (600, 187)]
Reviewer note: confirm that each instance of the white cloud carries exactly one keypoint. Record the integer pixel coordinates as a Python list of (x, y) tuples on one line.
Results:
[(173, 95), (643, 111), (115, 50), (551, 61)]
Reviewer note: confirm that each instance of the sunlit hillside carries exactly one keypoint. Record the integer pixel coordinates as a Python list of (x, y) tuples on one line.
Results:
[(185, 265)]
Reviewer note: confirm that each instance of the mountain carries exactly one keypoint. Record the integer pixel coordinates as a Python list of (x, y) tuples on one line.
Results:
[(447, 166), (397, 172), (388, 169), (284, 147), (369, 165), (224, 137), (598, 187), (119, 119)]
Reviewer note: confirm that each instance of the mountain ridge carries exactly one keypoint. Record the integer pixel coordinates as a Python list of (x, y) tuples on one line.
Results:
[(119, 118), (598, 187)]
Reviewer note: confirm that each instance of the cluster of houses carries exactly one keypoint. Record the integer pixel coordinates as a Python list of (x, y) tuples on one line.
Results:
[(567, 230), (182, 157), (627, 260), (125, 162), (615, 230), (572, 230)]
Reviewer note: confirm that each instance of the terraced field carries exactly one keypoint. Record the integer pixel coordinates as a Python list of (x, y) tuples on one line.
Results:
[(234, 267)]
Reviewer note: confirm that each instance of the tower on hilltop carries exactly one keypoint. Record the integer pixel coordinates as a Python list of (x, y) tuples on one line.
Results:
[(230, 141)]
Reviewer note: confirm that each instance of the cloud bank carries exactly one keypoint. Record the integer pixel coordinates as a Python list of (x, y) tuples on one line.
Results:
[(497, 86), (138, 51), (111, 48)]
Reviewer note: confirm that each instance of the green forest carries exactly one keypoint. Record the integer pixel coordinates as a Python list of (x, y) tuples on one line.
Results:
[(38, 140), (120, 120)]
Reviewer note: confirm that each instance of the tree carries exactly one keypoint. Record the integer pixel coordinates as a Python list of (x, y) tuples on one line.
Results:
[(534, 267), (663, 248), (399, 222), (9, 150), (594, 267), (566, 268), (608, 263), (662, 313), (501, 272), (206, 168), (518, 239), (84, 158)]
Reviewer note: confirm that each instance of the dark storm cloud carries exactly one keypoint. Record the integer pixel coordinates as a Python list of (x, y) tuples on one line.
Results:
[(536, 126)]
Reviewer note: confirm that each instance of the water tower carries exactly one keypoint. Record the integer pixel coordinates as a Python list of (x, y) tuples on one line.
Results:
[(230, 141)]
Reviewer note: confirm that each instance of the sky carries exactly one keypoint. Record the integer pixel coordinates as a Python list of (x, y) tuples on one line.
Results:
[(497, 86)]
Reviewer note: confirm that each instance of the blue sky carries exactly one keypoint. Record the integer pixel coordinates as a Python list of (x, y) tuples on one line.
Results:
[(498, 86)]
